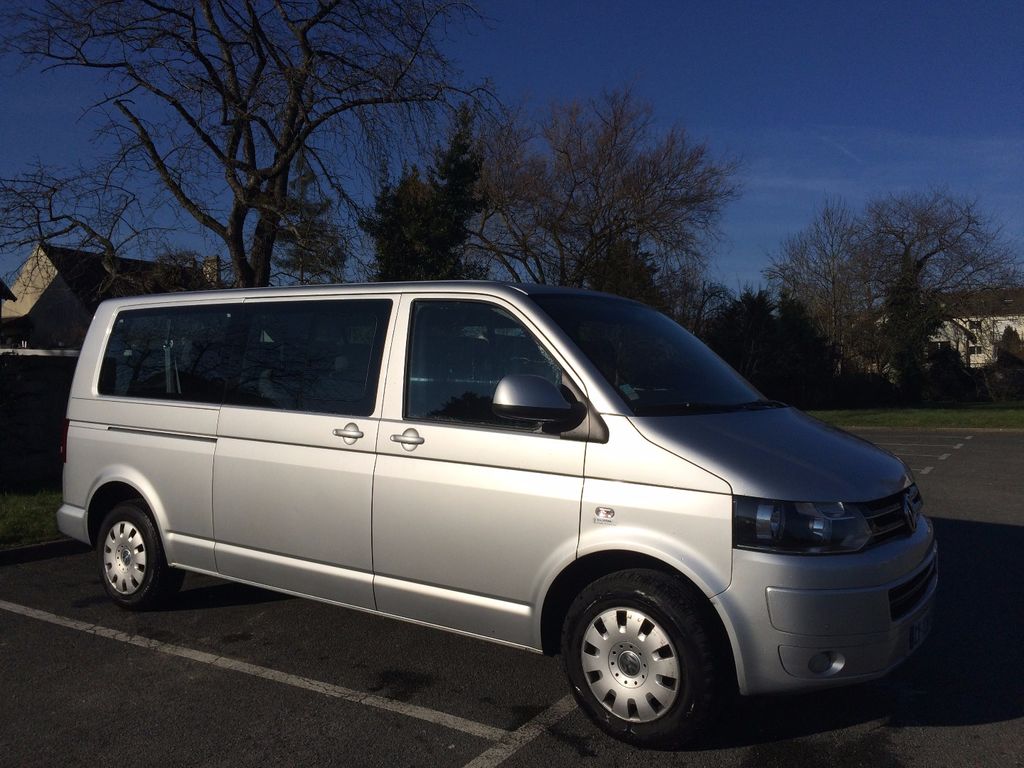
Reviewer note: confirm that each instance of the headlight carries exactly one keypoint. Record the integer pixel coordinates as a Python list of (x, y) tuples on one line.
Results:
[(806, 528)]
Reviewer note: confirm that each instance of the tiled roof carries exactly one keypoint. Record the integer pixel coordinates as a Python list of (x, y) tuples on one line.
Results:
[(87, 277), (996, 302)]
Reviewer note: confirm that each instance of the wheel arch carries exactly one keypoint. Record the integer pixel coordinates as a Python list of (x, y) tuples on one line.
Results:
[(585, 570), (109, 494)]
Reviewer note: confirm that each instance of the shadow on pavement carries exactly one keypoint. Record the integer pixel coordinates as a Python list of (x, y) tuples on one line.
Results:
[(968, 672), (45, 551), (220, 595)]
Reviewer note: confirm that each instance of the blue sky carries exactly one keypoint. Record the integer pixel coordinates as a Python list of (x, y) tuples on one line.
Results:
[(816, 99), (850, 99)]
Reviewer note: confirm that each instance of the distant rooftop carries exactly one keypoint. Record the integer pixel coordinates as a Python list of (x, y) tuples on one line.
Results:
[(87, 277), (995, 302)]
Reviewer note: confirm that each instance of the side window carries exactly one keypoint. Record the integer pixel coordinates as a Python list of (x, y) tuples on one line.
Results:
[(319, 356), (458, 352), (170, 353)]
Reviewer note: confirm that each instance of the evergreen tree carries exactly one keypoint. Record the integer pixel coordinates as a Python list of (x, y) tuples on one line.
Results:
[(312, 247), (419, 226), (744, 333), (912, 314), (627, 271), (1010, 344), (775, 345)]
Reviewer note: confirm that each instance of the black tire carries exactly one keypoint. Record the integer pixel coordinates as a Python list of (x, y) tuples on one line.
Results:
[(676, 611), (131, 559)]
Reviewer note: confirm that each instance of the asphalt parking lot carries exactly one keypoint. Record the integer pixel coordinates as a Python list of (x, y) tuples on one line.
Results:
[(233, 675)]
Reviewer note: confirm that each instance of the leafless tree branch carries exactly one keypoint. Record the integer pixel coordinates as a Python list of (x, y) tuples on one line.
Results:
[(213, 100)]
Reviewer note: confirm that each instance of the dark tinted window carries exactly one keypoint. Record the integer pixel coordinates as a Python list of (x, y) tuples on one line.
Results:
[(459, 351), (173, 353), (655, 365), (320, 356)]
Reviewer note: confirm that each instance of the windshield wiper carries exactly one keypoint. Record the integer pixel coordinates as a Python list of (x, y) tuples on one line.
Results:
[(757, 405), (672, 409), (677, 409)]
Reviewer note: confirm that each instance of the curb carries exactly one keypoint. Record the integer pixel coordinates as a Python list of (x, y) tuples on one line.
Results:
[(44, 551), (982, 430)]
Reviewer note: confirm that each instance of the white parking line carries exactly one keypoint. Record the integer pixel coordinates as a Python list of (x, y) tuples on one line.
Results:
[(453, 722), (524, 734), (916, 436), (921, 445), (944, 456), (927, 455), (924, 471)]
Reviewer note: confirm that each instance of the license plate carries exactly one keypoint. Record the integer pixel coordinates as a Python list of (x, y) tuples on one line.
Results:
[(919, 630)]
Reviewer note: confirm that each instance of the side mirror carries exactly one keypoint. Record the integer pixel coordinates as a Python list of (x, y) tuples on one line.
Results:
[(530, 398)]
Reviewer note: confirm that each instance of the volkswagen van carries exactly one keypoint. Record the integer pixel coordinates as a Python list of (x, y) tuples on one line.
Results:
[(558, 470)]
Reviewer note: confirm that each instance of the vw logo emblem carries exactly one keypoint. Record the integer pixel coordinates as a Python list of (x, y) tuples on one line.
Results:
[(908, 513)]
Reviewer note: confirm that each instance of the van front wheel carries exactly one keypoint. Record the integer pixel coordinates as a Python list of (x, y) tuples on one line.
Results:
[(640, 659), (131, 559)]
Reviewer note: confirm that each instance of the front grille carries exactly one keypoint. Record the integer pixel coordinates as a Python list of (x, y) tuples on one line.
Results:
[(887, 518), (903, 598)]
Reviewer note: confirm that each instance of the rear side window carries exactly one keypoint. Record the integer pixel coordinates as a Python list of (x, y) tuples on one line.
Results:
[(318, 356), (458, 352), (170, 353)]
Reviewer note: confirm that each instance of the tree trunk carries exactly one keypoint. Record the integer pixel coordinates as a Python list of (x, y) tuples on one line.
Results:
[(262, 251), (234, 238)]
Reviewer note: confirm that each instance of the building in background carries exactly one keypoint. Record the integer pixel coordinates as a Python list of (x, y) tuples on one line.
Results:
[(990, 321), (58, 289)]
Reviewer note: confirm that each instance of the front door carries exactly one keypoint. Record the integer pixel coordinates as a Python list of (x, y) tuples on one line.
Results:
[(471, 512)]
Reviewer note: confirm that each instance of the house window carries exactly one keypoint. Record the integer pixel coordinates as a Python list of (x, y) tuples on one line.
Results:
[(974, 349), (974, 325), (935, 346)]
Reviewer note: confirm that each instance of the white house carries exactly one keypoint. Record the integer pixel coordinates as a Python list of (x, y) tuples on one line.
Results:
[(983, 322)]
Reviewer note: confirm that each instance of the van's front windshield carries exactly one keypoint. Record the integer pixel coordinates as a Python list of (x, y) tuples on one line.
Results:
[(656, 366)]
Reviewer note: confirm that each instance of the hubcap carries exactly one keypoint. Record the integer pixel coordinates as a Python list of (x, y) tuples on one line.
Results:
[(630, 665), (124, 557)]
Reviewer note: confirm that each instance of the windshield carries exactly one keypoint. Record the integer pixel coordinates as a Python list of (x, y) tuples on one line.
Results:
[(656, 366)]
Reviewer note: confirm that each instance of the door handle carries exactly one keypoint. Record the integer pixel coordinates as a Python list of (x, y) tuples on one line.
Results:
[(408, 439), (349, 434)]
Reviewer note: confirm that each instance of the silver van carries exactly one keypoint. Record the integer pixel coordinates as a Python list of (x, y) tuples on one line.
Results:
[(553, 469)]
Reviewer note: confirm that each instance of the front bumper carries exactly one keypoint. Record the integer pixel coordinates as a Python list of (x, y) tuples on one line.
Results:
[(804, 622)]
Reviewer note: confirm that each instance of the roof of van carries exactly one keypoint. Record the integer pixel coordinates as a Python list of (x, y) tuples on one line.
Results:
[(494, 287)]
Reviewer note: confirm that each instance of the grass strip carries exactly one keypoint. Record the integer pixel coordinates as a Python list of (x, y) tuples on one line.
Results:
[(965, 416), (29, 517)]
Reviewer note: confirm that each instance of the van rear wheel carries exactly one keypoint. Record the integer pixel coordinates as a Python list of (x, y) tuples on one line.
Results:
[(641, 660), (131, 559)]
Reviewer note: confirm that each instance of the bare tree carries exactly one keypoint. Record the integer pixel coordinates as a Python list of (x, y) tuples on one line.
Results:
[(946, 243), (594, 179), (211, 101), (694, 300), (86, 209), (102, 215), (927, 253), (877, 284), (820, 267)]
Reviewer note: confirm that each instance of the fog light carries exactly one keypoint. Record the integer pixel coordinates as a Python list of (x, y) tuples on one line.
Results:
[(821, 663)]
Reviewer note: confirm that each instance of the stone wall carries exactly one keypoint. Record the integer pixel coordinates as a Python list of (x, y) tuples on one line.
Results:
[(33, 400)]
